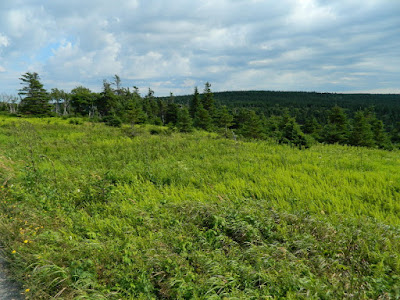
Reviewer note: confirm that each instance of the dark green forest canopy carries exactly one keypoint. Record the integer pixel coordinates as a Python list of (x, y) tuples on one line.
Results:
[(304, 104), (296, 118)]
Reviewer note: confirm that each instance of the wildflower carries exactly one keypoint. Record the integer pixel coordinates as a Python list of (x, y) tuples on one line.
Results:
[(13, 252), (27, 290), (26, 241)]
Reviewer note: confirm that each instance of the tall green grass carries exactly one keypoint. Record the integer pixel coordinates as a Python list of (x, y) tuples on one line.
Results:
[(92, 212)]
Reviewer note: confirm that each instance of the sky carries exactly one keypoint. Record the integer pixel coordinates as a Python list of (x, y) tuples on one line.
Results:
[(173, 46)]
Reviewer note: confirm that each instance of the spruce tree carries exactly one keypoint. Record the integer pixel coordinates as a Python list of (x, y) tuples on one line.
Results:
[(107, 102), (252, 127), (117, 83), (202, 118), (224, 118), (272, 127), (184, 123), (150, 107), (336, 131), (381, 138), (34, 98), (312, 127), (379, 135), (361, 134), (239, 118), (162, 110), (208, 100), (135, 113), (171, 115), (292, 134), (395, 133), (194, 103)]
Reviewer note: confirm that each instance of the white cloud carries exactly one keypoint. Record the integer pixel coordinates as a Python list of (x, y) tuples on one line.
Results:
[(4, 41), (376, 91), (307, 14), (174, 45), (189, 83), (300, 54), (155, 64), (69, 61)]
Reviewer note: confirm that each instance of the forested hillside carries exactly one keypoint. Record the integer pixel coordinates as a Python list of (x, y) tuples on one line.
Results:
[(303, 105)]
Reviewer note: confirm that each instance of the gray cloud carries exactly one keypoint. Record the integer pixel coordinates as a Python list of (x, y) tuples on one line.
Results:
[(345, 45)]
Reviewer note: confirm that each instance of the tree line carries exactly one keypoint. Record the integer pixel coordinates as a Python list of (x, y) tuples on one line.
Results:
[(302, 105), (116, 104)]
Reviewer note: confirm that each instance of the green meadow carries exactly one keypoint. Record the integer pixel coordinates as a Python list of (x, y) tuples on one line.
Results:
[(95, 212)]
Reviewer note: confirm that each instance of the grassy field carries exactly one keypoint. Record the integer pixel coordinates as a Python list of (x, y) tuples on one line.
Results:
[(93, 212)]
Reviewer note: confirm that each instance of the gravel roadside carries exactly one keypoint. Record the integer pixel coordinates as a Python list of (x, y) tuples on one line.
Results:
[(9, 290)]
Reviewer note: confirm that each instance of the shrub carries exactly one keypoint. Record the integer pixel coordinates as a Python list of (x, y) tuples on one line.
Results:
[(113, 121), (75, 121)]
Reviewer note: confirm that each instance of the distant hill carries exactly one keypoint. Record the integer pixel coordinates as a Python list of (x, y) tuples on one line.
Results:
[(304, 104)]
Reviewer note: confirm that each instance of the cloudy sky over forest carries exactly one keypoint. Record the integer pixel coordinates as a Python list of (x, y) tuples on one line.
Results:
[(302, 45)]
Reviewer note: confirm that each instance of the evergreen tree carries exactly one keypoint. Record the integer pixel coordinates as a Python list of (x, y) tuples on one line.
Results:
[(131, 105), (162, 109), (107, 102), (135, 114), (336, 131), (312, 127), (202, 118), (184, 123), (117, 83), (224, 118), (171, 116), (252, 127), (208, 101), (292, 134), (239, 117), (381, 138), (194, 103), (361, 134), (395, 133), (379, 135), (34, 98), (151, 108), (273, 127)]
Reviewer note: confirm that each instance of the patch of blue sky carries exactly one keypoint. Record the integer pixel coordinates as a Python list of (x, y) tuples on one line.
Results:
[(41, 57), (46, 52)]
